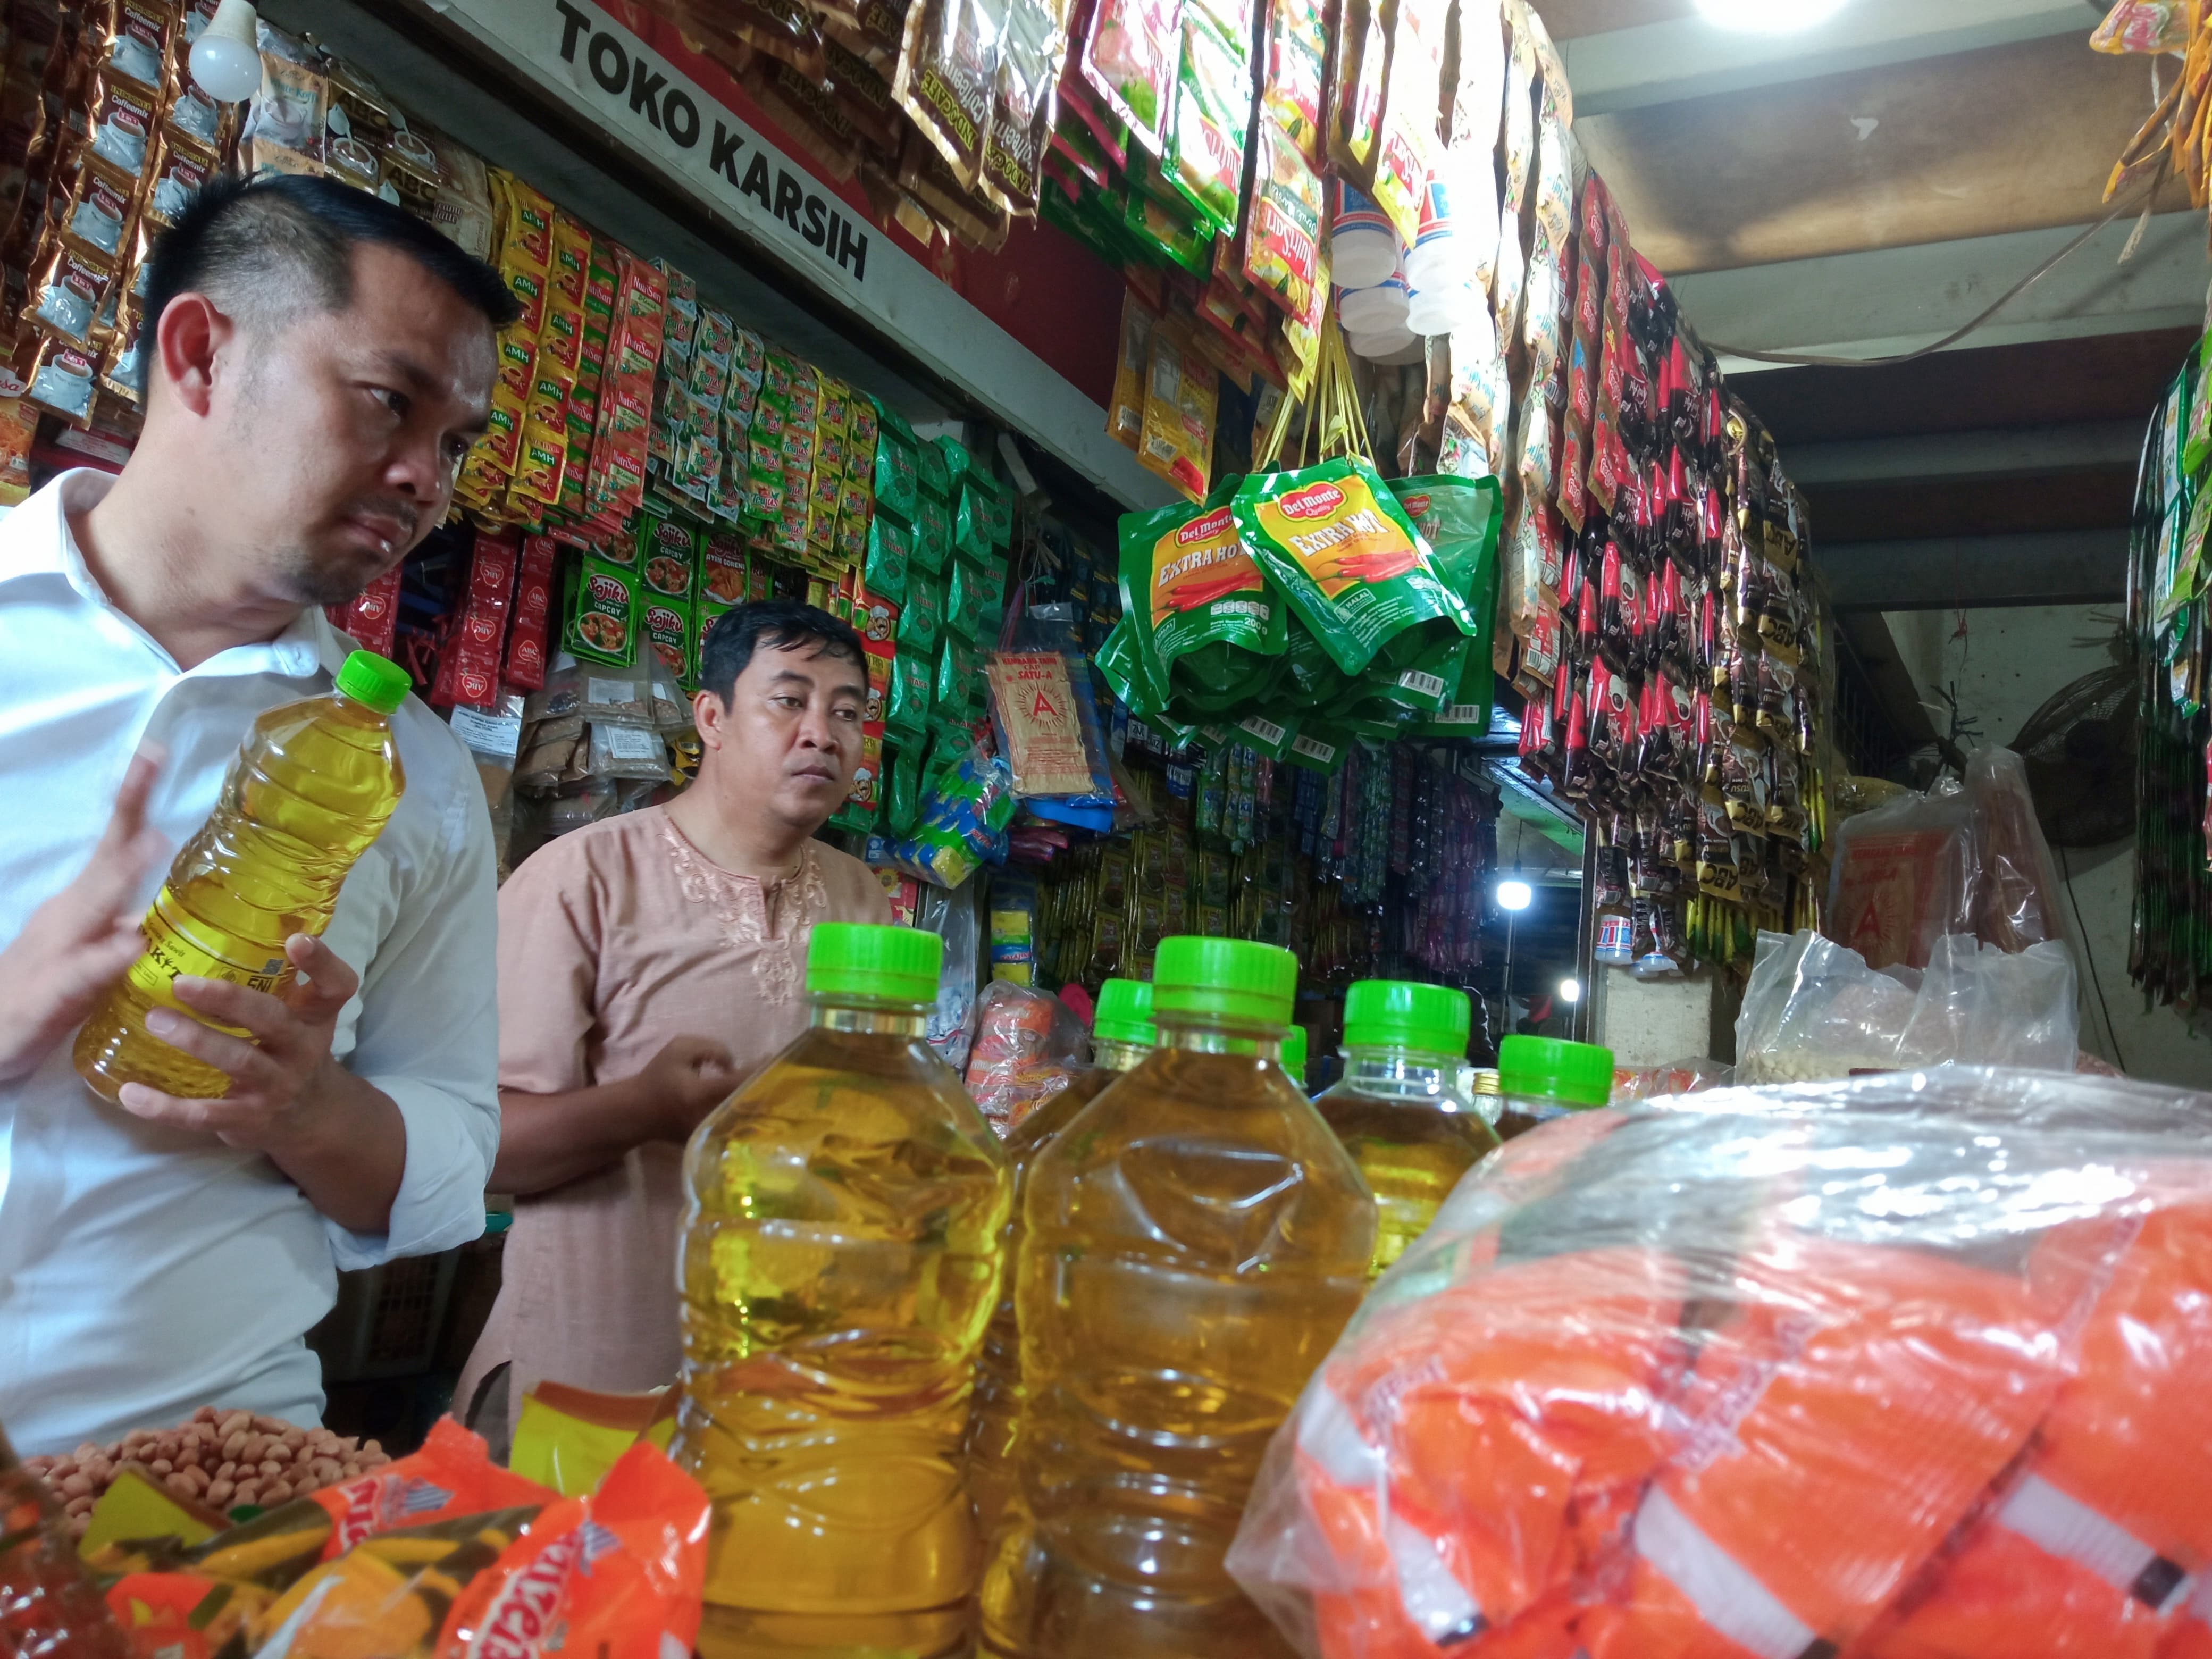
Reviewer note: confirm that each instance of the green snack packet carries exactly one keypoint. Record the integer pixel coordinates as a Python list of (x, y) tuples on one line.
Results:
[(922, 619), (902, 788), (931, 472), (958, 463), (709, 610), (993, 578), (601, 625), (971, 531), (962, 607), (889, 550), (1213, 114), (897, 469), (668, 557), (1347, 556), (1199, 611), (932, 531), (907, 708), (958, 670), (1170, 231)]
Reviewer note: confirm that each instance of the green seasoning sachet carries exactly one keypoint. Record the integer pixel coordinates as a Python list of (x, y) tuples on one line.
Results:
[(932, 531), (958, 670), (1001, 500), (906, 709), (897, 470), (903, 792), (1343, 551), (934, 475), (602, 621), (919, 624), (890, 548), (963, 600), (1199, 611), (971, 530), (1213, 114)]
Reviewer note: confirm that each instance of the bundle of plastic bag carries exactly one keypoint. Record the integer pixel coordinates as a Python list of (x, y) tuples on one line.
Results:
[(1909, 1368), (1813, 1009), (1028, 1045)]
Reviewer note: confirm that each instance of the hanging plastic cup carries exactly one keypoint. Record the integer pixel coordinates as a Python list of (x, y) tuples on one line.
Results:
[(1362, 247), (1380, 309), (1382, 346), (1433, 260), (1440, 310)]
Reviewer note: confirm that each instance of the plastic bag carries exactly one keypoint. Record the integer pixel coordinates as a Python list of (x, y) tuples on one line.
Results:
[(1027, 1046), (951, 917), (1814, 1009), (1889, 1367)]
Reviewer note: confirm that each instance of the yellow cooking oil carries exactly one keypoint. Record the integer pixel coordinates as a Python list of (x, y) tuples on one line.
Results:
[(1192, 1243), (1405, 1108), (840, 1260), (1122, 1035), (313, 786)]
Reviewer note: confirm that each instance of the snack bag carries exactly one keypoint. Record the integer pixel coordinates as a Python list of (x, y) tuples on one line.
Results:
[(966, 811), (1343, 551), (1191, 589)]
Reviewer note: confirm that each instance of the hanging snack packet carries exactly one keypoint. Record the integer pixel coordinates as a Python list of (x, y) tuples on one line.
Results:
[(1355, 113), (1130, 59), (971, 530), (907, 706), (1296, 54), (1022, 107), (921, 619), (1180, 392), (1345, 551), (1282, 251), (1213, 110), (889, 553), (1190, 589), (947, 74)]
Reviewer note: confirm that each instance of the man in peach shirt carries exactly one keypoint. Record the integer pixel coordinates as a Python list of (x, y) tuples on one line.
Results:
[(647, 965)]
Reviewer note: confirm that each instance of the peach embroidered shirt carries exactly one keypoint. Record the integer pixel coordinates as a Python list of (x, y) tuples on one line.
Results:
[(612, 939)]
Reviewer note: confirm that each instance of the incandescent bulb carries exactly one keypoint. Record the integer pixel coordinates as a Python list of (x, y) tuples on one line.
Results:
[(226, 60)]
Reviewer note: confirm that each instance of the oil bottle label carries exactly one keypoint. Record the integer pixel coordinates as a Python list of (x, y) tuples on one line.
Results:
[(174, 946)]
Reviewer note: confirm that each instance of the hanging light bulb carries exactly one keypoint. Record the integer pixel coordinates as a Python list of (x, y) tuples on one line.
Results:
[(226, 60), (1571, 991), (1769, 16), (1514, 894)]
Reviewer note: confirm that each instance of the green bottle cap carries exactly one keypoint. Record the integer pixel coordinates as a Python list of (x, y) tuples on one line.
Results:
[(856, 959), (377, 682), (1125, 1014), (1545, 1068), (1294, 1054), (1231, 979), (1395, 1013)]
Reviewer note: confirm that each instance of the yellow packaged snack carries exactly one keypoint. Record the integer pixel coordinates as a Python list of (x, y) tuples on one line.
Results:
[(567, 1438), (1181, 390)]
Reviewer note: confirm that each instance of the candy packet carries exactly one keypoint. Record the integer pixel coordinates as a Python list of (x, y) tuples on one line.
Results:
[(1347, 556)]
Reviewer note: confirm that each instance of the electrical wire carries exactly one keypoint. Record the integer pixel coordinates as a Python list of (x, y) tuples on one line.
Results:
[(2089, 955), (1813, 359)]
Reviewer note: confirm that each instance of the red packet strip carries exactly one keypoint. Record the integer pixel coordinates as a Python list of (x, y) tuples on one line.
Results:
[(533, 608), (373, 618), (469, 661)]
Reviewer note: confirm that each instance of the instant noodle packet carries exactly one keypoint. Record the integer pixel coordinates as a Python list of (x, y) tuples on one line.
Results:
[(1342, 548)]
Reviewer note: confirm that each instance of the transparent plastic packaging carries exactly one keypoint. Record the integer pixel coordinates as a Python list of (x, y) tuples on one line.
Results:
[(1028, 1045), (1910, 1367), (1813, 1009)]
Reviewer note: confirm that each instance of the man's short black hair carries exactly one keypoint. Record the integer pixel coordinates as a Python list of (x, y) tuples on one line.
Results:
[(277, 245), (780, 624)]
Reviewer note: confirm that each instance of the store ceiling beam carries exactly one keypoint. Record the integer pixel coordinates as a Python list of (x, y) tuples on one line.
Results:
[(1887, 302), (1671, 61), (1954, 457), (2068, 566)]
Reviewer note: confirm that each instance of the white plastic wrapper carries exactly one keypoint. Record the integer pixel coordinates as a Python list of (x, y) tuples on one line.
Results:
[(1911, 1368), (1813, 1009)]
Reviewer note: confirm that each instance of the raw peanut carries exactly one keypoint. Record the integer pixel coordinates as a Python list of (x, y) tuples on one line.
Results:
[(218, 1494), (325, 1470), (234, 1444), (85, 1451), (349, 1472), (189, 1458), (270, 1468), (375, 1448), (248, 1492), (204, 1414), (179, 1488), (77, 1485), (78, 1506), (235, 1423), (269, 1425), (164, 1445), (276, 1493), (229, 1471), (101, 1470), (61, 1467), (162, 1466), (295, 1438)]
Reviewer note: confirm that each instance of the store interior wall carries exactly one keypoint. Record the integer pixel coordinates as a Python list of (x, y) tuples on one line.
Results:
[(2002, 666)]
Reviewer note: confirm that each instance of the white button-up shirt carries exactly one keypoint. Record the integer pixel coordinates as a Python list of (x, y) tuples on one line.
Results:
[(146, 1271)]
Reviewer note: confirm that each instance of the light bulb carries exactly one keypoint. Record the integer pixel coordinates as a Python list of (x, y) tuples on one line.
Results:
[(1571, 991), (1768, 16), (226, 60), (1515, 894)]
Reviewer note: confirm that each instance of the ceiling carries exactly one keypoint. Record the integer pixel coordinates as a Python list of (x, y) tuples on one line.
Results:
[(1860, 191)]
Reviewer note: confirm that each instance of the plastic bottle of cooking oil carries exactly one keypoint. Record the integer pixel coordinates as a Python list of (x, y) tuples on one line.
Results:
[(1121, 1037), (1193, 1243), (312, 786), (841, 1259), (1294, 1056), (1540, 1078), (1401, 1110)]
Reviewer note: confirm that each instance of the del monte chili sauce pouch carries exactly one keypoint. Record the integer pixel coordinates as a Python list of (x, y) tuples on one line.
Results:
[(1200, 612), (1342, 548)]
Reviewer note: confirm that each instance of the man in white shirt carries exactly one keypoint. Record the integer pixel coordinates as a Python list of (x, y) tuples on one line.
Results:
[(321, 363)]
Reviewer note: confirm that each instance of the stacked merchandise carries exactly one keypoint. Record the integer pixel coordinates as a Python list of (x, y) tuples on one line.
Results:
[(2170, 950)]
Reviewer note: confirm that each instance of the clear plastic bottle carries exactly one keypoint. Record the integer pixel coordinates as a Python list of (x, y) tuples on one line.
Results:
[(50, 1607), (1294, 1056), (1540, 1078), (840, 1261), (1403, 1109), (1121, 1038), (1193, 1243), (312, 787)]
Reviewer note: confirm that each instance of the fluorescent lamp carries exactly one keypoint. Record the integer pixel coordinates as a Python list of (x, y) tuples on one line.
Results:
[(1768, 16)]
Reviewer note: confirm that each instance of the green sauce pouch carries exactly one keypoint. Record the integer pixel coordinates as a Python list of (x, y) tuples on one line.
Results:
[(1345, 551), (1322, 749), (889, 550), (1466, 712), (1191, 588), (907, 708), (1119, 661), (932, 532), (921, 621), (902, 790)]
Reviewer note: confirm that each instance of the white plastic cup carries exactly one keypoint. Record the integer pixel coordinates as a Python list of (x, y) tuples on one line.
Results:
[(1387, 346), (1430, 261), (1440, 310), (1380, 309), (1362, 246)]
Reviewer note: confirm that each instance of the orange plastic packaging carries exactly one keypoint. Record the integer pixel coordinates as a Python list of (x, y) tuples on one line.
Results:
[(451, 1475)]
